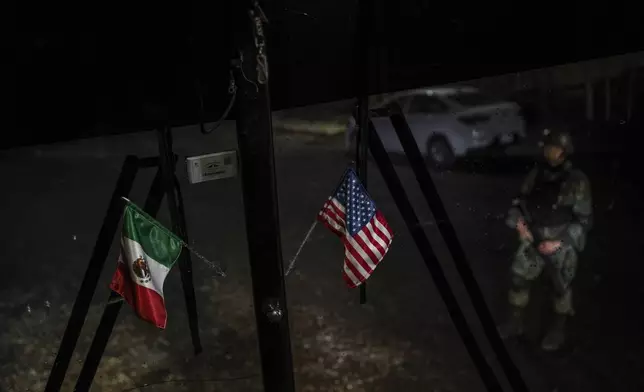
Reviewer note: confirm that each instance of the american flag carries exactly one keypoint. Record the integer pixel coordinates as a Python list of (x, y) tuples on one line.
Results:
[(352, 215)]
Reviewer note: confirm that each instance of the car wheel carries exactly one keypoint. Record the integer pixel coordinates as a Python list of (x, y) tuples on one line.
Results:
[(440, 153)]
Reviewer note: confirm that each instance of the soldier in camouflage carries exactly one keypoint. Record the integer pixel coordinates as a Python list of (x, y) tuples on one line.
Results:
[(558, 198)]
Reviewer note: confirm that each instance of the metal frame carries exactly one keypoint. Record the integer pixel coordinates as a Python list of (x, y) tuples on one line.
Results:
[(455, 248), (164, 183), (255, 142), (399, 195)]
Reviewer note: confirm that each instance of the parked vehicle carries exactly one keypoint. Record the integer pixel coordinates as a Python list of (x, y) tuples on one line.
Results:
[(447, 122)]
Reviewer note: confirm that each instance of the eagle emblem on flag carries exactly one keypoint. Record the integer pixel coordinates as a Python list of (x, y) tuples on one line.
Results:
[(141, 269), (148, 252)]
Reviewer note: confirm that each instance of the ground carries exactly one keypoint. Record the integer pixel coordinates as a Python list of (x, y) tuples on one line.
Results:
[(55, 198)]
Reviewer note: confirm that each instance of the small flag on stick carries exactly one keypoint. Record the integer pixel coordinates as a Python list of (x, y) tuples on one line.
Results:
[(148, 252), (352, 215)]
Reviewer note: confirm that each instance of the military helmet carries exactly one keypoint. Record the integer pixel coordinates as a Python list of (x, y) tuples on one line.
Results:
[(558, 137)]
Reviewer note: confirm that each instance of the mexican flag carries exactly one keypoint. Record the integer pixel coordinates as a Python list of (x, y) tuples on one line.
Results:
[(148, 252)]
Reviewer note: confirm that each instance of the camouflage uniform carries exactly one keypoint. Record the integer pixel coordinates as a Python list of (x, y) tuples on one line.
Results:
[(559, 200)]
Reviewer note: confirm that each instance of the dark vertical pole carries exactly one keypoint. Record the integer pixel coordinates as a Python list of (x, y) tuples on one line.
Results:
[(114, 304), (102, 336), (455, 248), (167, 168), (590, 100), (362, 79), (92, 275), (433, 265), (255, 141), (629, 94), (607, 99)]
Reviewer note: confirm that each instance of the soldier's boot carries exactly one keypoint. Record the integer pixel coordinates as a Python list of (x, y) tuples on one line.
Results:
[(556, 335), (518, 298), (513, 326)]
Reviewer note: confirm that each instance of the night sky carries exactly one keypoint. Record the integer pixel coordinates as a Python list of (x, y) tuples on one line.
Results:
[(122, 64)]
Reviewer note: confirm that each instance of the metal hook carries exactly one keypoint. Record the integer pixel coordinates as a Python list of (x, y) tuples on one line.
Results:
[(260, 11)]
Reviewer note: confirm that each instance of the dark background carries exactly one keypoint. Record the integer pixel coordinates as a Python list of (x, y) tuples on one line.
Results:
[(81, 70), (127, 65)]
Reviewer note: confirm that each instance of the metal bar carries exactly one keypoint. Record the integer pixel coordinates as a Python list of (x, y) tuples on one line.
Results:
[(187, 279), (178, 226), (255, 143), (361, 161), (455, 248), (102, 336), (607, 99), (433, 265), (92, 274), (590, 100), (362, 78), (114, 303), (629, 95)]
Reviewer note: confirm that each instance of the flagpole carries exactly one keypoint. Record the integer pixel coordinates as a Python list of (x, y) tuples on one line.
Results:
[(291, 264), (362, 78)]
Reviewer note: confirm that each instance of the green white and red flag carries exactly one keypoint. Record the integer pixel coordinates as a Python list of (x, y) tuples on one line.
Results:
[(148, 252)]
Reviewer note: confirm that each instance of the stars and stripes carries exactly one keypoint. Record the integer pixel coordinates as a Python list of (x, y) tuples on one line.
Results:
[(352, 215)]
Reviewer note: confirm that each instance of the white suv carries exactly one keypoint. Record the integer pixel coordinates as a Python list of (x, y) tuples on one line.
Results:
[(446, 122)]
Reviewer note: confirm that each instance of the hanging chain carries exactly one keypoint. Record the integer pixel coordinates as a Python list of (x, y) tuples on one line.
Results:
[(232, 86), (240, 65), (259, 18), (232, 90), (212, 265)]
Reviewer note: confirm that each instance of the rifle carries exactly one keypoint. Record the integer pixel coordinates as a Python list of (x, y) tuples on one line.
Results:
[(549, 264)]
